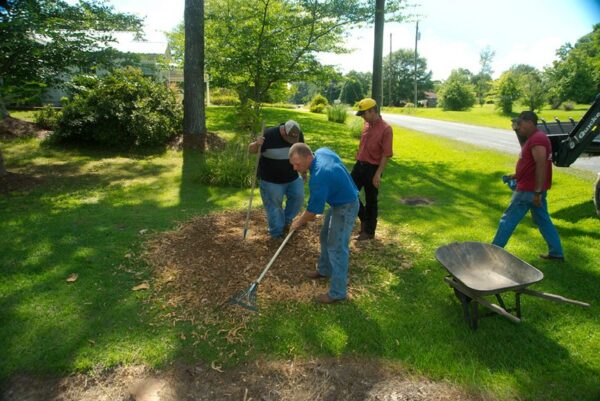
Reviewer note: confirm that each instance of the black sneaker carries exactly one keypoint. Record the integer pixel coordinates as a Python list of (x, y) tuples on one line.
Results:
[(552, 257)]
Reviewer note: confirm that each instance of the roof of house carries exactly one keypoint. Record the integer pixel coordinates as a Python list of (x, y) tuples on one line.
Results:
[(154, 44)]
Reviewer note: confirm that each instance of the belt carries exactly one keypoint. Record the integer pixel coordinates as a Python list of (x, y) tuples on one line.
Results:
[(367, 163)]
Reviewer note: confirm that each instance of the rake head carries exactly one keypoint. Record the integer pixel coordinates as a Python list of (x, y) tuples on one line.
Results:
[(246, 299)]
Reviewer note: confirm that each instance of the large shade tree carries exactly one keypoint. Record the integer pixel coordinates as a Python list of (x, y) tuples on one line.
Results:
[(401, 74), (575, 75), (194, 117), (482, 81), (356, 87), (251, 45)]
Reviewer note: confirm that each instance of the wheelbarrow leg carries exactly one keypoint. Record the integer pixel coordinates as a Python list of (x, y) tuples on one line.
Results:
[(518, 304), (500, 301), (464, 301), (474, 315)]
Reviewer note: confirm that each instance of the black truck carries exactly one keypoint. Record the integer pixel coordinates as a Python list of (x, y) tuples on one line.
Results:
[(571, 139)]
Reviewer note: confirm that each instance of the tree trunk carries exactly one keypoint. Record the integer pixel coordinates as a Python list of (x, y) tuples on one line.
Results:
[(3, 171), (194, 115), (3, 110), (377, 85)]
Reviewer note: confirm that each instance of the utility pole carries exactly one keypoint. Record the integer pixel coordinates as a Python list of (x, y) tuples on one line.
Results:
[(377, 84), (390, 103), (417, 35)]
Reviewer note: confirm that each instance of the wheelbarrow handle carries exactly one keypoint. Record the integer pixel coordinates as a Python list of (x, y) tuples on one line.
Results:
[(554, 297)]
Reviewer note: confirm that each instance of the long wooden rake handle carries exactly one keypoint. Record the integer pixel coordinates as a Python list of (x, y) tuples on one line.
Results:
[(266, 269), (262, 133)]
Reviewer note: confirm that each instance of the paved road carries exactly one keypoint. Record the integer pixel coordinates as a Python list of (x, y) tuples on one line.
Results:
[(499, 139)]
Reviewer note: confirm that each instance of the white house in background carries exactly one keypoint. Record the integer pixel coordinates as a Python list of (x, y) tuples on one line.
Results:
[(154, 55)]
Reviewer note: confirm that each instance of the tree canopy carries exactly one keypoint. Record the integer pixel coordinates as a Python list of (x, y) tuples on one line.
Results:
[(43, 38), (402, 75), (576, 73), (253, 44)]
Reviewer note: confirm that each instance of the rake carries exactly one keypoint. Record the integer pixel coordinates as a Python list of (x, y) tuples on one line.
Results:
[(262, 133), (247, 298)]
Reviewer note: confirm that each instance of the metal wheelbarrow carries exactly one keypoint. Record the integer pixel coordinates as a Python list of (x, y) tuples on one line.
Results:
[(478, 270)]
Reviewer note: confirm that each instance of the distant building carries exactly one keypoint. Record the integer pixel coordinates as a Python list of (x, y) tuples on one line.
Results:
[(154, 57), (430, 99)]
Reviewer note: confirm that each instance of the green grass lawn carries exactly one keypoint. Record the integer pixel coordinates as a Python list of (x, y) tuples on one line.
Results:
[(487, 115), (88, 217)]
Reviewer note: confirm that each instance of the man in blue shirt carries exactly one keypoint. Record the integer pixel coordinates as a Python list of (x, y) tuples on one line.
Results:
[(329, 183)]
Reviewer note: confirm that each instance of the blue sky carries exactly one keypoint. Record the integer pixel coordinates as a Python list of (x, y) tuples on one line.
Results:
[(453, 32)]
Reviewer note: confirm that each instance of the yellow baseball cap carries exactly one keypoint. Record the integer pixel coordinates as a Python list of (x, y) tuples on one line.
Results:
[(364, 105)]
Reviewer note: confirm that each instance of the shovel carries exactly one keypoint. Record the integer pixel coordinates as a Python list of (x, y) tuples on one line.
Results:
[(247, 298), (262, 133)]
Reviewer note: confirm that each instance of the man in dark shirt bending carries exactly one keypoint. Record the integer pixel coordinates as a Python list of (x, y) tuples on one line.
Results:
[(277, 176)]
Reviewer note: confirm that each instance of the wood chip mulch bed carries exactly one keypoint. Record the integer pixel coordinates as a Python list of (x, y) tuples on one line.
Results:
[(204, 262)]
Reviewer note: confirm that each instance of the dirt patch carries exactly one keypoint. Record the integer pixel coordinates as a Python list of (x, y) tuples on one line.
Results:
[(204, 262), (417, 201), (12, 182), (348, 379), (11, 128)]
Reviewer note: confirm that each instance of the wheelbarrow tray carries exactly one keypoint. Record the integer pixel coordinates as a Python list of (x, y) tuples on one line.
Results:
[(486, 269), (478, 269)]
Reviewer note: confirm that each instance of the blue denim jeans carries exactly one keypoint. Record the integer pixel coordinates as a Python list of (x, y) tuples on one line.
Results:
[(335, 250), (520, 204), (272, 196)]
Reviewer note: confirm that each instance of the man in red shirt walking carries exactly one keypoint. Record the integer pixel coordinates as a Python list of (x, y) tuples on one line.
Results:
[(373, 153), (534, 178)]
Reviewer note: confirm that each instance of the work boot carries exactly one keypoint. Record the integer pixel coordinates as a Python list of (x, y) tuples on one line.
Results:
[(326, 299), (364, 236), (315, 275), (552, 257)]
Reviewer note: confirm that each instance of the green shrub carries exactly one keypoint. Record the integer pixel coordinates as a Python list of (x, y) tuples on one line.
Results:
[(47, 117), (318, 104), (232, 166), (457, 93), (356, 126), (121, 110), (337, 113)]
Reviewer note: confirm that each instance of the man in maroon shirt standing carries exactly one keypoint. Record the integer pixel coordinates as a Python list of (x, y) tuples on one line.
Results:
[(373, 153), (534, 178)]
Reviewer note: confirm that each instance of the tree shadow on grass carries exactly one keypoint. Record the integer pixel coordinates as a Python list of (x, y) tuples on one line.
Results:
[(576, 213), (93, 227)]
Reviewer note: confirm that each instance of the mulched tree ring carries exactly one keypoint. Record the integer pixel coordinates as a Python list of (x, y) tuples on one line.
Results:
[(205, 261)]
